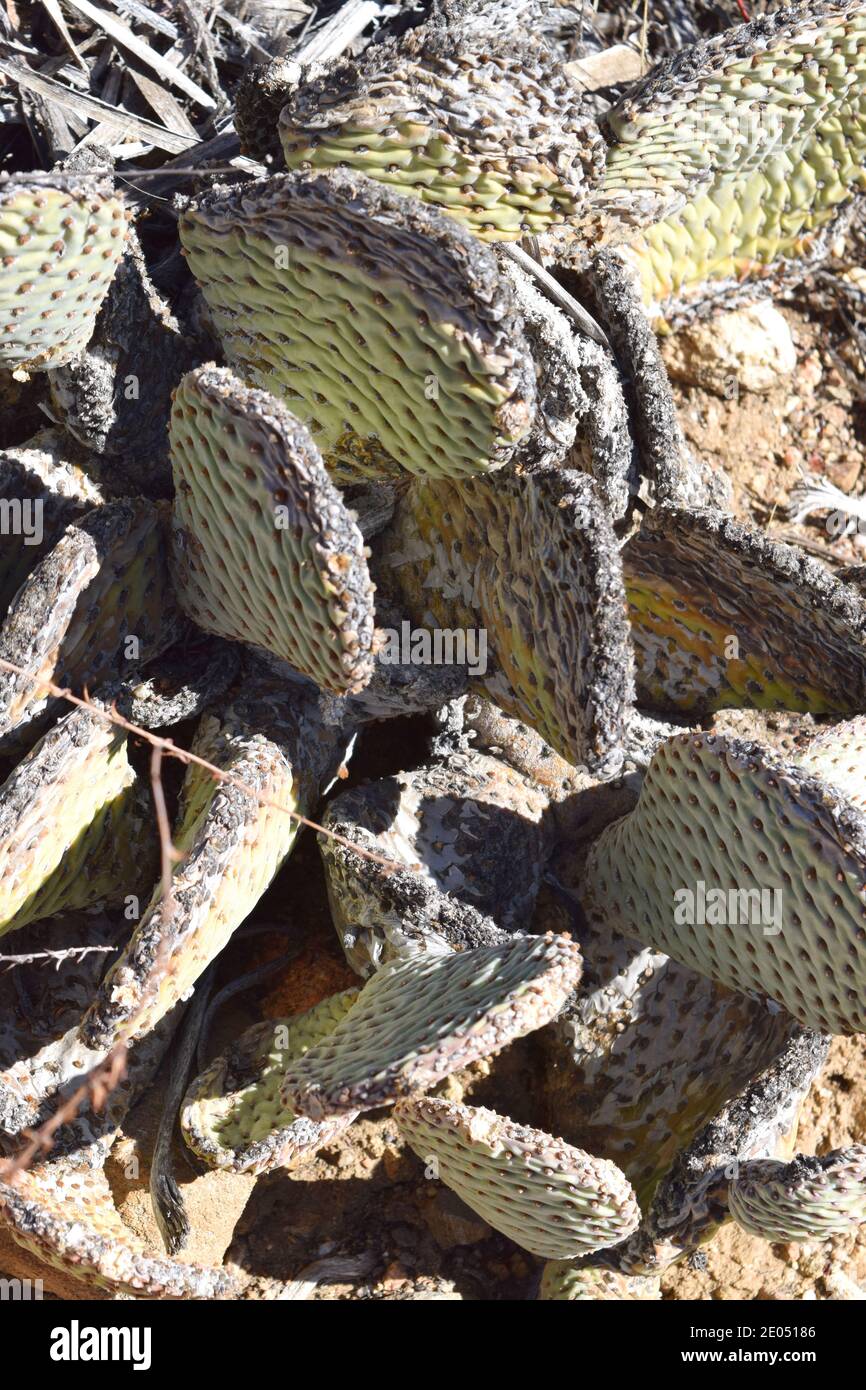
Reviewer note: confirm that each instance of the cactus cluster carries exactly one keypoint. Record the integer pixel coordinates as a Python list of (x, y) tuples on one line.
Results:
[(373, 410)]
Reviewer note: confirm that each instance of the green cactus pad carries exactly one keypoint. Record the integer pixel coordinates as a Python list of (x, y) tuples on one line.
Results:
[(553, 1200), (700, 587), (59, 249), (65, 1215), (41, 492), (384, 327), (74, 828), (723, 821), (483, 125), (264, 549), (545, 588), (232, 844), (233, 1116), (564, 1282), (98, 605), (807, 1199), (741, 150), (838, 755), (419, 1020)]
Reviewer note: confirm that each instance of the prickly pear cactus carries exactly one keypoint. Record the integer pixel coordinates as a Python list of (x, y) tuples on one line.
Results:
[(565, 1282), (747, 869), (417, 1021), (553, 1200), (382, 325), (233, 1116), (59, 249), (264, 549), (807, 1199)]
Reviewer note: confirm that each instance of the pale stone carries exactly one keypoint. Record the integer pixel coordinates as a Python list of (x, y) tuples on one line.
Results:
[(747, 350)]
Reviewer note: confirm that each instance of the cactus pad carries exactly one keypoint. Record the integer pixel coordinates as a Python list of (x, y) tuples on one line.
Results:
[(774, 862), (700, 586), (553, 1200), (59, 250), (98, 605), (489, 128), (419, 1020), (545, 588), (264, 548), (382, 325), (74, 829), (233, 1116), (564, 1282), (807, 1199)]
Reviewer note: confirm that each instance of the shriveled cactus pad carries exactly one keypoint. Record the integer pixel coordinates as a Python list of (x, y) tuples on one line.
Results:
[(807, 1199), (484, 125), (700, 587), (551, 608), (74, 828), (384, 327), (417, 1021), (233, 1116), (552, 1199), (747, 869), (98, 605), (59, 249), (264, 549)]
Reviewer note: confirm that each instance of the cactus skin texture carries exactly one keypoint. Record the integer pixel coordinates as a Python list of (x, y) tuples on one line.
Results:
[(564, 1282), (735, 817), (74, 825), (264, 549), (59, 250), (489, 130), (382, 325), (553, 1200), (807, 1199), (104, 582), (762, 131), (417, 1021), (697, 580), (557, 641), (232, 1115)]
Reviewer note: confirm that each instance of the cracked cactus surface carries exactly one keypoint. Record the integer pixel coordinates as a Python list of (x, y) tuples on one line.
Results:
[(74, 824), (545, 588), (484, 125), (807, 1199), (553, 1200), (719, 817), (417, 1021), (737, 154), (98, 605), (264, 550), (384, 327), (470, 824), (233, 1116), (700, 586), (59, 249)]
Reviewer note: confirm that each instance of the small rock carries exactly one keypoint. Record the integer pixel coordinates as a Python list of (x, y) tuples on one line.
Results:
[(747, 350), (450, 1222)]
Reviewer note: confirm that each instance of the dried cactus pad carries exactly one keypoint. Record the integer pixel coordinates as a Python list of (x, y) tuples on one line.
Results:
[(745, 145), (66, 1216), (98, 605), (545, 589), (553, 1200), (233, 1116), (417, 1021), (807, 1199), (565, 1282), (485, 126), (264, 549), (746, 869), (700, 588), (59, 249), (384, 327), (73, 830)]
